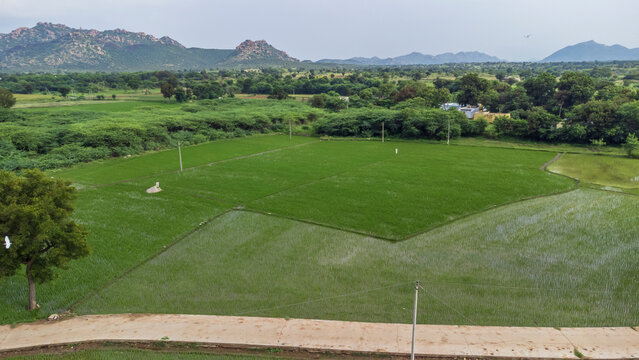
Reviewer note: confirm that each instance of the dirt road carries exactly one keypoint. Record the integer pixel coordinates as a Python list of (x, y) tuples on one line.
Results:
[(434, 340)]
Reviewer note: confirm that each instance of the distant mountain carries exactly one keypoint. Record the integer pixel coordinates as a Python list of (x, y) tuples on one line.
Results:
[(416, 58), (592, 51), (53, 47)]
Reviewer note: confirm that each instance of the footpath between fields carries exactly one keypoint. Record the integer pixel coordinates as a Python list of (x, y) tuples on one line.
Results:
[(328, 336)]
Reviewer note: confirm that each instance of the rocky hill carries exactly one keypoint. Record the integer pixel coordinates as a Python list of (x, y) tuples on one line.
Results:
[(593, 51), (259, 50), (56, 47)]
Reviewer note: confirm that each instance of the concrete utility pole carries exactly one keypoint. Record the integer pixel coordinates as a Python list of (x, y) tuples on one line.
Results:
[(412, 345), (382, 131), (180, 154)]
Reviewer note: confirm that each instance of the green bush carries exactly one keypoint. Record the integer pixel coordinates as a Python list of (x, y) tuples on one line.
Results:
[(409, 123), (631, 145), (54, 137)]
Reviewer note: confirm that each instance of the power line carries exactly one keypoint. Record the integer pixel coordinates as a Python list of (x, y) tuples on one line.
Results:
[(519, 287), (448, 306)]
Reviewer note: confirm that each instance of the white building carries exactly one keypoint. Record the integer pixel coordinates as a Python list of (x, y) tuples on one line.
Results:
[(469, 111)]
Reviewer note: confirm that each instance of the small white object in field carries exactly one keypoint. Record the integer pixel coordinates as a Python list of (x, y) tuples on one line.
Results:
[(7, 242), (53, 317), (154, 189), (395, 151)]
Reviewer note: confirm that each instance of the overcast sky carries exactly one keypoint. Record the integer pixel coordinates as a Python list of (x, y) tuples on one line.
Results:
[(346, 28)]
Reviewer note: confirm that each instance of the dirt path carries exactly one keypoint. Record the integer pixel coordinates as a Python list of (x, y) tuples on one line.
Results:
[(329, 336), (544, 166)]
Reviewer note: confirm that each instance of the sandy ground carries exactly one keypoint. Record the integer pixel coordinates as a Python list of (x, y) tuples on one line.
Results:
[(432, 340)]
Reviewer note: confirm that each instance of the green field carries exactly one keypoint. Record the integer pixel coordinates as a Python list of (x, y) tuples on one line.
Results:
[(269, 226), (111, 170), (601, 170), (362, 187), (567, 260)]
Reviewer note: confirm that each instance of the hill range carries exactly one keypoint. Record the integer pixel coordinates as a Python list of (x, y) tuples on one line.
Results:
[(49, 47), (593, 51)]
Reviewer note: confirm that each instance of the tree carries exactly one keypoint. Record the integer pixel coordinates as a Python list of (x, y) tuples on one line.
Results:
[(133, 82), (35, 213), (472, 87), (405, 93), (318, 100), (334, 102), (599, 118), (541, 88), (167, 90), (28, 88), (574, 88), (278, 93), (601, 72), (7, 99), (631, 145), (180, 95), (628, 117), (541, 123), (113, 96), (64, 90)]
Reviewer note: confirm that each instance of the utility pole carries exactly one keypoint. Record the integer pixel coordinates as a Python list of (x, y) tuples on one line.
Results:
[(448, 136), (382, 131), (180, 154), (412, 344)]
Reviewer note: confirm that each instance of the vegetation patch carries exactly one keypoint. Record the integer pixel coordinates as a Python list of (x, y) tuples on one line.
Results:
[(602, 170), (566, 260), (420, 187)]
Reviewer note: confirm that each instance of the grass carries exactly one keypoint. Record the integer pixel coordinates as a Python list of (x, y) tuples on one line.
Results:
[(423, 186), (601, 170), (54, 100), (566, 260), (364, 187), (106, 171), (536, 145), (358, 186), (136, 354), (126, 227)]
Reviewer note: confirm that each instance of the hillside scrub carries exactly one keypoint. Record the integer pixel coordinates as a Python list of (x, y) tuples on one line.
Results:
[(57, 137)]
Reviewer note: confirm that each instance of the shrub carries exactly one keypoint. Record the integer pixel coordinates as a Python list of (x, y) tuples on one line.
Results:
[(631, 145), (597, 144)]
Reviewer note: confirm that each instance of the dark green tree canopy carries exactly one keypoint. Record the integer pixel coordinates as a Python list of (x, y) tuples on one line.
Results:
[(541, 88), (64, 90), (35, 212), (7, 99), (167, 90), (574, 88), (472, 86)]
